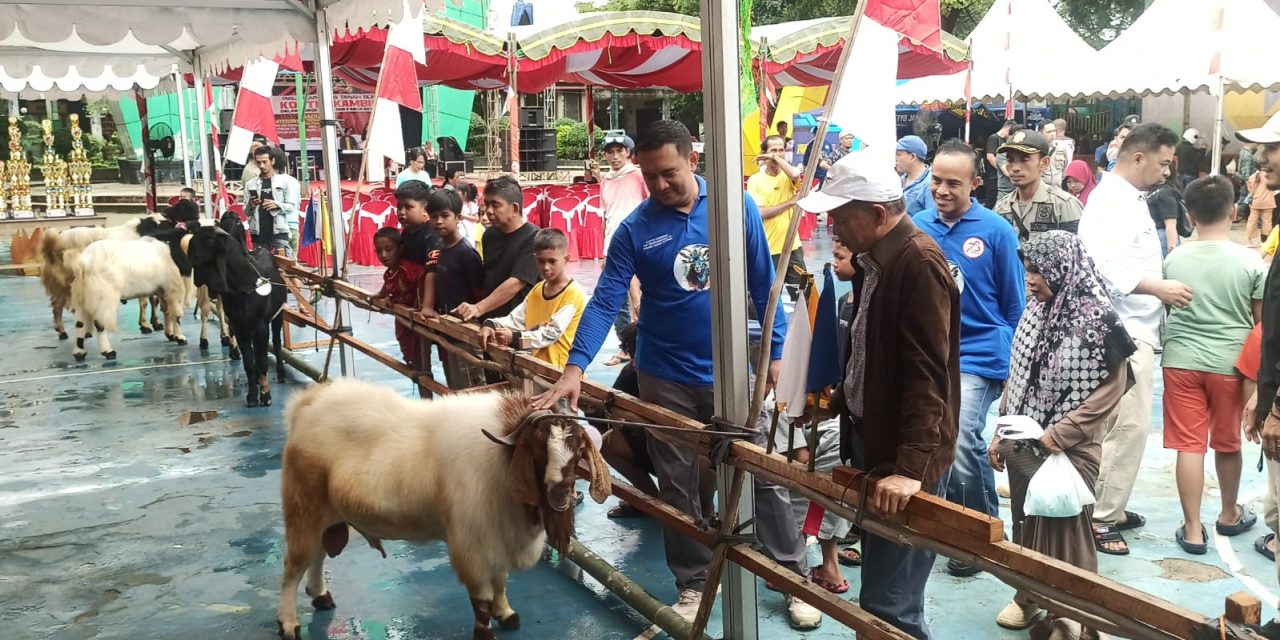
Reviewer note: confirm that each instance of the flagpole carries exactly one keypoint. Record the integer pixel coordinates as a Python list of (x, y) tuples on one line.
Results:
[(180, 88), (968, 95), (364, 156), (206, 172)]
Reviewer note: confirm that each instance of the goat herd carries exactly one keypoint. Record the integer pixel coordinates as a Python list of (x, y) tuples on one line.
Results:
[(480, 471), (173, 262)]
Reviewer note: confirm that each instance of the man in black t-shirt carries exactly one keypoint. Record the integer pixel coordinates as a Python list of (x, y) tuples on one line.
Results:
[(991, 176), (510, 270)]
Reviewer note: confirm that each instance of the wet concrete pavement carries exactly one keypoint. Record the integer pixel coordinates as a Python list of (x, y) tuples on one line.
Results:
[(118, 521)]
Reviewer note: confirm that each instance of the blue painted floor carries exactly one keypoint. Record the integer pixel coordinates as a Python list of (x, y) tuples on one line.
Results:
[(117, 521)]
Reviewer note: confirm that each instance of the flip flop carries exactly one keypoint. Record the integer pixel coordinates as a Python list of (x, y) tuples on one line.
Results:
[(849, 557), (1106, 534), (1193, 549), (1247, 519), (1260, 545), (1131, 521), (842, 587)]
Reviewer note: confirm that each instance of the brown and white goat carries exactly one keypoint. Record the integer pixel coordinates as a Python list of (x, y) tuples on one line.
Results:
[(362, 457)]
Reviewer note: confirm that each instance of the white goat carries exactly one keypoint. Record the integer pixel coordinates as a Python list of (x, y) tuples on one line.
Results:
[(109, 271), (56, 274), (363, 457)]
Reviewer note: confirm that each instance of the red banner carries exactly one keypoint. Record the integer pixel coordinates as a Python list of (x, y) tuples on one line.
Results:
[(352, 105)]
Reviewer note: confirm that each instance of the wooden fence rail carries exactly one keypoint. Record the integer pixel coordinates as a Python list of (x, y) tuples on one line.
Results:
[(928, 521)]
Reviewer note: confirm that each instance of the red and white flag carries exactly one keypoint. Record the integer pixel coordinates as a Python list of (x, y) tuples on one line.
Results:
[(253, 109), (397, 87), (919, 20)]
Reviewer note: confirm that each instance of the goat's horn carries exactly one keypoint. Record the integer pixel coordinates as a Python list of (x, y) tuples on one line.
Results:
[(509, 440)]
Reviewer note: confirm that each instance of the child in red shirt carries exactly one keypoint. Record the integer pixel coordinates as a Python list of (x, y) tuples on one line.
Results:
[(401, 284)]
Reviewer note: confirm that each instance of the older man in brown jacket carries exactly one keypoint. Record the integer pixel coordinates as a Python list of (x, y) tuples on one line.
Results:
[(901, 390)]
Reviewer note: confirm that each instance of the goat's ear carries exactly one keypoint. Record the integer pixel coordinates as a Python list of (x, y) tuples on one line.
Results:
[(601, 480), (522, 475)]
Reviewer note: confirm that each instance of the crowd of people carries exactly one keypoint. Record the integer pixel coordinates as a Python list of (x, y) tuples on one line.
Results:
[(1050, 302)]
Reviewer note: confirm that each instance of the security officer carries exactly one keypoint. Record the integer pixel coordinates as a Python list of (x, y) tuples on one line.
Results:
[(1034, 207)]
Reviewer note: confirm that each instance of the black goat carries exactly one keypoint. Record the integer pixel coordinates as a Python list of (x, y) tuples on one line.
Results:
[(252, 292)]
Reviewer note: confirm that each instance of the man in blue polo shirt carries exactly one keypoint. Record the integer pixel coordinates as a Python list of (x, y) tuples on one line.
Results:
[(664, 244), (909, 162), (982, 251)]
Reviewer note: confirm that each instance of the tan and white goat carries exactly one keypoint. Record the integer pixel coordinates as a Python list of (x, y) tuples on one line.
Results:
[(362, 457)]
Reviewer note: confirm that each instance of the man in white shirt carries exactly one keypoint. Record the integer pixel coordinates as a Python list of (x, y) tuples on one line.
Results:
[(620, 193), (1116, 230)]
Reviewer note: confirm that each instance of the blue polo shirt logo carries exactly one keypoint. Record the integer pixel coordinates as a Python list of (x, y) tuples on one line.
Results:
[(693, 267), (974, 248)]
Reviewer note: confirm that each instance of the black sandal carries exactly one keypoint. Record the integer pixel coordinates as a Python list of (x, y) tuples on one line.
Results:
[(1191, 548), (849, 557), (1260, 545), (1131, 521), (1106, 534), (1246, 521), (624, 510)]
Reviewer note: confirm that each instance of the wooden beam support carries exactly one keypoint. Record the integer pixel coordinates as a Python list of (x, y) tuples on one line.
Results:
[(1244, 608)]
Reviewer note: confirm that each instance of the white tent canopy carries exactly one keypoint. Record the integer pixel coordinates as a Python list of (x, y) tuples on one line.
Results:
[(72, 68), (1171, 47), (1045, 57)]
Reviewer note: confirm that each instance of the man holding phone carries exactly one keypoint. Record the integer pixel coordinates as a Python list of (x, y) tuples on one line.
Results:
[(274, 199), (774, 190)]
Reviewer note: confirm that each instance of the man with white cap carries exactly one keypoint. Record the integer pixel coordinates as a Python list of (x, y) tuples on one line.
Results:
[(908, 161), (1265, 422), (620, 192), (901, 390)]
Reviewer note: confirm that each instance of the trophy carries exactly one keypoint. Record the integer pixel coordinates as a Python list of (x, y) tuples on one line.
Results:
[(80, 171), (55, 177), (19, 175)]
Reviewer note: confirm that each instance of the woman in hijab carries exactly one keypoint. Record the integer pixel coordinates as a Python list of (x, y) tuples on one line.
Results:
[(1079, 180), (1068, 370)]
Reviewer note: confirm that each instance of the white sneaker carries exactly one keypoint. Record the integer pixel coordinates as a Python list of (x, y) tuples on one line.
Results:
[(803, 616), (687, 605), (1016, 616)]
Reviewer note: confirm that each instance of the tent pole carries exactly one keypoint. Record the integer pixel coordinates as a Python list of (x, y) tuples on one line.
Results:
[(332, 176), (1216, 167), (180, 85), (202, 111), (725, 231)]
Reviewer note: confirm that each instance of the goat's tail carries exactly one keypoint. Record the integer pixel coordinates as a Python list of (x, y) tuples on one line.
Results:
[(53, 273)]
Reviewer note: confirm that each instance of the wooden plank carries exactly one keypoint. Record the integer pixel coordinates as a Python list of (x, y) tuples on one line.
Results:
[(1244, 608), (924, 512)]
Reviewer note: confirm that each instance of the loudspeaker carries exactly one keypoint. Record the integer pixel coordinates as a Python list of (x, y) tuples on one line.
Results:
[(532, 117)]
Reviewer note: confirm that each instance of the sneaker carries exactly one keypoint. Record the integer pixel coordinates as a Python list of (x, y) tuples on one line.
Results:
[(1016, 616), (961, 569), (802, 615), (687, 605)]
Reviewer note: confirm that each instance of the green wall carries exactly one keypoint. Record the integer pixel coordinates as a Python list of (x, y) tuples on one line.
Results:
[(164, 109)]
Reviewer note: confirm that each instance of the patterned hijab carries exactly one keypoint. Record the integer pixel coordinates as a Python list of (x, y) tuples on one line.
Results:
[(1063, 349)]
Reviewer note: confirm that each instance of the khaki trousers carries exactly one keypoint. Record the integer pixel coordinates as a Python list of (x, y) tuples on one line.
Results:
[(1124, 439)]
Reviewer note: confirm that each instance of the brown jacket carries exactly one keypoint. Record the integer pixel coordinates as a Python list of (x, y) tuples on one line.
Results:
[(911, 400)]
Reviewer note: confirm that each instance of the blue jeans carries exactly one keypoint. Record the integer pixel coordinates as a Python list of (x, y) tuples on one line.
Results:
[(1164, 242), (971, 482)]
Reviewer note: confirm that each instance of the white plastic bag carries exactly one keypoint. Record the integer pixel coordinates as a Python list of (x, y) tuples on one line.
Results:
[(1057, 490)]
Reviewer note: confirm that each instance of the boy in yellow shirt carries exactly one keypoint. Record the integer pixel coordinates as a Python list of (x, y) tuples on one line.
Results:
[(549, 315)]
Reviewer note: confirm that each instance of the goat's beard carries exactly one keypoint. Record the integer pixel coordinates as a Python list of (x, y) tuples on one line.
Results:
[(558, 525)]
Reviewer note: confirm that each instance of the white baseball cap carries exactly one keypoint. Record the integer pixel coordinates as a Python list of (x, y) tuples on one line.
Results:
[(858, 176), (1268, 133)]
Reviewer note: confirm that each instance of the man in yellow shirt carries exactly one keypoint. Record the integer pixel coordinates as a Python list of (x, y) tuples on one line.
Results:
[(774, 190)]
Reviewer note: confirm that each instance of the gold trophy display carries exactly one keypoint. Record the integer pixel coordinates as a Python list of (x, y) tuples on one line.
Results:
[(80, 172), (55, 177), (19, 175), (4, 191)]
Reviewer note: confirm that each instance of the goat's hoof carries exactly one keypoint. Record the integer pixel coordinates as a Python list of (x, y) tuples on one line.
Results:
[(79, 356), (62, 335), (323, 602), (511, 623), (483, 633), (110, 355), (144, 329), (204, 344), (235, 353), (226, 342), (182, 342), (293, 634), (157, 326), (252, 399), (98, 326), (169, 337), (265, 398)]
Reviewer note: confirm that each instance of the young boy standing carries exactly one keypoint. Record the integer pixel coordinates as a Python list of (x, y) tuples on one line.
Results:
[(509, 268), (455, 275), (411, 210), (401, 284), (549, 315), (1202, 395)]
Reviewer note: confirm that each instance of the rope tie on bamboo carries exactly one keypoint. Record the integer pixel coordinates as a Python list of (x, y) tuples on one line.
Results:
[(735, 536)]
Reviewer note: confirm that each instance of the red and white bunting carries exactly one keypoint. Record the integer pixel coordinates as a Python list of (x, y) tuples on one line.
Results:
[(397, 87), (253, 109)]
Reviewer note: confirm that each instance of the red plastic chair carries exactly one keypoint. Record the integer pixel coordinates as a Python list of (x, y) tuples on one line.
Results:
[(535, 205), (564, 215), (591, 233), (369, 217)]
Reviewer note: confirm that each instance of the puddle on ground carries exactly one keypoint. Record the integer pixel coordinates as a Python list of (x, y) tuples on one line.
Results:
[(1189, 571)]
